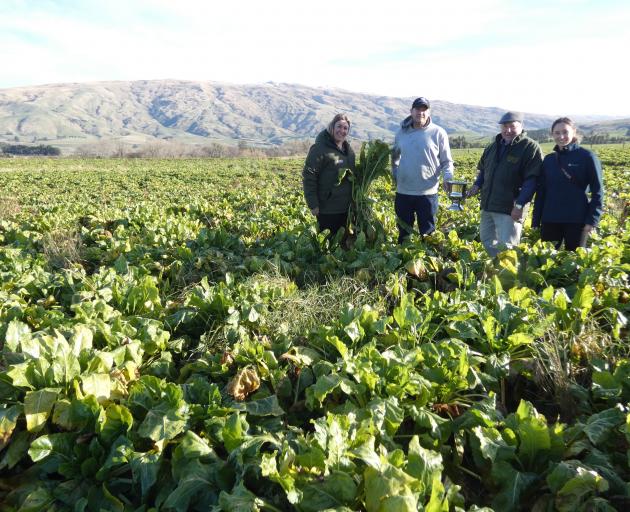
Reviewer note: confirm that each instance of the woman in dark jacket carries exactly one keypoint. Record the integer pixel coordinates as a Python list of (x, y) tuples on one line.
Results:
[(327, 197), (570, 190)]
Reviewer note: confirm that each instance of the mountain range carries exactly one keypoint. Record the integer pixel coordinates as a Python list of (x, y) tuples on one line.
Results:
[(196, 112)]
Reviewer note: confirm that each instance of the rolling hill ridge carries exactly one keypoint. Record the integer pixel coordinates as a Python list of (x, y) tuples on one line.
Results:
[(190, 112)]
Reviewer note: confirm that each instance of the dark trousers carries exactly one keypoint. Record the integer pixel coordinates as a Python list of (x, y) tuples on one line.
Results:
[(571, 232), (332, 222), (408, 208)]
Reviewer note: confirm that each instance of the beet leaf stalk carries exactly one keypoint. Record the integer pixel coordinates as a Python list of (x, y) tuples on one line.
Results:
[(373, 163)]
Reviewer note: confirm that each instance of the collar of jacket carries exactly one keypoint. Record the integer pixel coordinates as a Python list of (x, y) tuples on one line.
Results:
[(407, 123), (569, 147), (325, 138), (499, 138)]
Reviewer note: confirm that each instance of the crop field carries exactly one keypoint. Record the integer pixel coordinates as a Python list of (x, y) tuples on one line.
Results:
[(176, 336)]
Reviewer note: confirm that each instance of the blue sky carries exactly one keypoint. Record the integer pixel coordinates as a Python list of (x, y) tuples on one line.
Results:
[(562, 57)]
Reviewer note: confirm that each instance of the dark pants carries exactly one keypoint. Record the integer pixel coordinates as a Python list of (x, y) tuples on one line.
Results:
[(408, 208), (571, 232), (332, 222)]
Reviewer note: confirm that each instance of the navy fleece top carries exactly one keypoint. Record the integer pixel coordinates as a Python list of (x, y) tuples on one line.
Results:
[(568, 177)]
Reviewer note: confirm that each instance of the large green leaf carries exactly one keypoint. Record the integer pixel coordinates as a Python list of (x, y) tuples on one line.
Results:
[(240, 500), (191, 446), (427, 420), (60, 445), (114, 421), (40, 499), (423, 464), (386, 414), (337, 489), (37, 407), (269, 469), (81, 339), (573, 483), (97, 384), (533, 435), (234, 431), (325, 385), (583, 300), (263, 407), (101, 362), (512, 485), (64, 367), (196, 483), (120, 453), (314, 457), (599, 426), (26, 375), (16, 332), (390, 487), (438, 502), (18, 448), (162, 423), (406, 314), (145, 468), (333, 436), (62, 415), (489, 444)]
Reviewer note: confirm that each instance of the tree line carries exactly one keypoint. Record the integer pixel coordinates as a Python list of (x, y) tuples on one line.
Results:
[(173, 149), (543, 135), (24, 150)]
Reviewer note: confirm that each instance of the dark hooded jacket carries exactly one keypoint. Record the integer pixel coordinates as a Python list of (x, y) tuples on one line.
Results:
[(569, 176), (320, 178)]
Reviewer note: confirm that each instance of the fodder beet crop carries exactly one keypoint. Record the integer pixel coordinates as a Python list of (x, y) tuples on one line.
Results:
[(175, 335)]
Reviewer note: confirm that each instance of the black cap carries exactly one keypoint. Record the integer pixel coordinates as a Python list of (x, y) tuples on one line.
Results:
[(421, 102), (510, 117)]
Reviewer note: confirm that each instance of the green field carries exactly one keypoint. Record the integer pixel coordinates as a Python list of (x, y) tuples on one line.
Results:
[(175, 335)]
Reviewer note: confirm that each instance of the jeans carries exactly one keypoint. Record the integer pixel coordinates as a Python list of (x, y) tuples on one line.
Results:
[(409, 207), (571, 232), (498, 232)]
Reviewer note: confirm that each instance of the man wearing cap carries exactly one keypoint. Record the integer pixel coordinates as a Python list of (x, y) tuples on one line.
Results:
[(508, 170), (421, 153)]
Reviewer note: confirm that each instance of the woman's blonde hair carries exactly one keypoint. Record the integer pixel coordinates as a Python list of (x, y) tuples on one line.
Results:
[(338, 117)]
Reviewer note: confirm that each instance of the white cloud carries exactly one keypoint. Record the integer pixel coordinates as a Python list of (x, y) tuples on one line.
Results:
[(487, 52)]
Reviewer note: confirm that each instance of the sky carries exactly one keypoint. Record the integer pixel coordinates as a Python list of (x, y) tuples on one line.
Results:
[(556, 57)]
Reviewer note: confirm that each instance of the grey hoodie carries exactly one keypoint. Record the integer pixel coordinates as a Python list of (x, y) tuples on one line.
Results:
[(419, 156)]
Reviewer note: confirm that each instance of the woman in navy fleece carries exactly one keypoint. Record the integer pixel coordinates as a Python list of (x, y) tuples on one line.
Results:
[(570, 191)]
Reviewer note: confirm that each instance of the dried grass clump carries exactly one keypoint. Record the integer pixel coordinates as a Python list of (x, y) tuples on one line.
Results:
[(563, 363), (9, 207), (318, 304), (62, 248)]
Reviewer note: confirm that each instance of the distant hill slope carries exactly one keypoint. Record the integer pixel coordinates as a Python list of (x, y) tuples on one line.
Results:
[(619, 127), (200, 112)]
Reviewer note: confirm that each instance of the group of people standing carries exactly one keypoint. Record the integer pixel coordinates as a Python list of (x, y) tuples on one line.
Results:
[(567, 184)]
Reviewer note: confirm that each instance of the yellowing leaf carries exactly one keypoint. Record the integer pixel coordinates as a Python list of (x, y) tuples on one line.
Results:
[(37, 407), (97, 384), (417, 268)]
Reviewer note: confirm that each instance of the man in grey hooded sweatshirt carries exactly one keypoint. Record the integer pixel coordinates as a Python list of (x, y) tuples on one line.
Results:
[(421, 153)]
